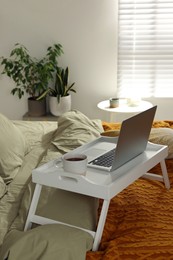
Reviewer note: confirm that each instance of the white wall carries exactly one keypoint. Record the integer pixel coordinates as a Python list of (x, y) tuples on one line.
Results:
[(87, 31)]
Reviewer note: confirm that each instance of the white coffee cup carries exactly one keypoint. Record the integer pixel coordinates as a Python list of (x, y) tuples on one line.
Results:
[(114, 102), (75, 163)]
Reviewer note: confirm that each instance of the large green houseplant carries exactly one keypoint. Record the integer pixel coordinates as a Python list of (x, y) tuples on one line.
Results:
[(31, 75)]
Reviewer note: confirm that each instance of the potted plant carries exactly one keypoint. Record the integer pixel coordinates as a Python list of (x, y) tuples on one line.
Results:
[(59, 96), (31, 75)]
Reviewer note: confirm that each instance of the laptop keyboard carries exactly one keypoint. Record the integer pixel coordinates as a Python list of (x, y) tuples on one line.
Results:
[(104, 160)]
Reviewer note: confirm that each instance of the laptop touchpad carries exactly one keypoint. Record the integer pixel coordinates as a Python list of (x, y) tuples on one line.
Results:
[(98, 150), (94, 152)]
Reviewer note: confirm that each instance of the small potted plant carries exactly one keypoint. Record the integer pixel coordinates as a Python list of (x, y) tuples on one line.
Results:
[(59, 96), (31, 75)]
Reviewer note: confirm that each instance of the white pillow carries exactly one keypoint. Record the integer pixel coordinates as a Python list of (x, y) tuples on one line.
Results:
[(13, 148)]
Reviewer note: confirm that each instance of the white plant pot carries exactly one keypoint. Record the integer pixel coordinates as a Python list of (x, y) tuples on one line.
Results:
[(63, 106)]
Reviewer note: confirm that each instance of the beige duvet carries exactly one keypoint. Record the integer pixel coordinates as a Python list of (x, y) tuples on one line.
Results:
[(47, 142)]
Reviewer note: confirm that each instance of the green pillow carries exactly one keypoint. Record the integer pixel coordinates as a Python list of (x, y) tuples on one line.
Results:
[(13, 148)]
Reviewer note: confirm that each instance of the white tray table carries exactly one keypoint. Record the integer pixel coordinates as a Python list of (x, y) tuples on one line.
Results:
[(96, 183)]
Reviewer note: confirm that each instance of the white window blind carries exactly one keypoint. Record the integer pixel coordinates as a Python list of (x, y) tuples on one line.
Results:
[(145, 48)]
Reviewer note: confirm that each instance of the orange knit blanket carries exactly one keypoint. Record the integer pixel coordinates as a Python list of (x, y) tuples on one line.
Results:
[(139, 223)]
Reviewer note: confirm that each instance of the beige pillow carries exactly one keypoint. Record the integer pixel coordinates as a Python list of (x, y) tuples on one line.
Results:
[(75, 129), (3, 188), (163, 136), (47, 242), (13, 148)]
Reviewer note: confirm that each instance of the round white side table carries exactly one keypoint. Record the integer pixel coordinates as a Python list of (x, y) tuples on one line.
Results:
[(124, 108)]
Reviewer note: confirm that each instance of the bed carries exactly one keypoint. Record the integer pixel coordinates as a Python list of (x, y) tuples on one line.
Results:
[(139, 223)]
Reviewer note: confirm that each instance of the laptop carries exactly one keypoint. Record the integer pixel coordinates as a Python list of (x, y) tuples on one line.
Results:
[(132, 141)]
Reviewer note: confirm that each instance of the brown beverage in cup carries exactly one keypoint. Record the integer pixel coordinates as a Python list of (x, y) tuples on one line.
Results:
[(75, 163), (74, 159)]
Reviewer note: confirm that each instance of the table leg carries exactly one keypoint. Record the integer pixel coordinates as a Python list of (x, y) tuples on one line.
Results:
[(165, 174), (101, 224), (33, 206), (112, 117)]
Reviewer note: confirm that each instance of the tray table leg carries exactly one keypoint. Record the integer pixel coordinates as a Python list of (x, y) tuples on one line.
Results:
[(101, 224), (33, 206), (165, 174)]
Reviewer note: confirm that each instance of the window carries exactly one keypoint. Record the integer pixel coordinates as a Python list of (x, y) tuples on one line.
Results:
[(145, 48)]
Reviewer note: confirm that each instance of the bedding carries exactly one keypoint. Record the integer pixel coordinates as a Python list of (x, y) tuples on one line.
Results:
[(3, 187), (139, 223), (72, 208), (12, 155)]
